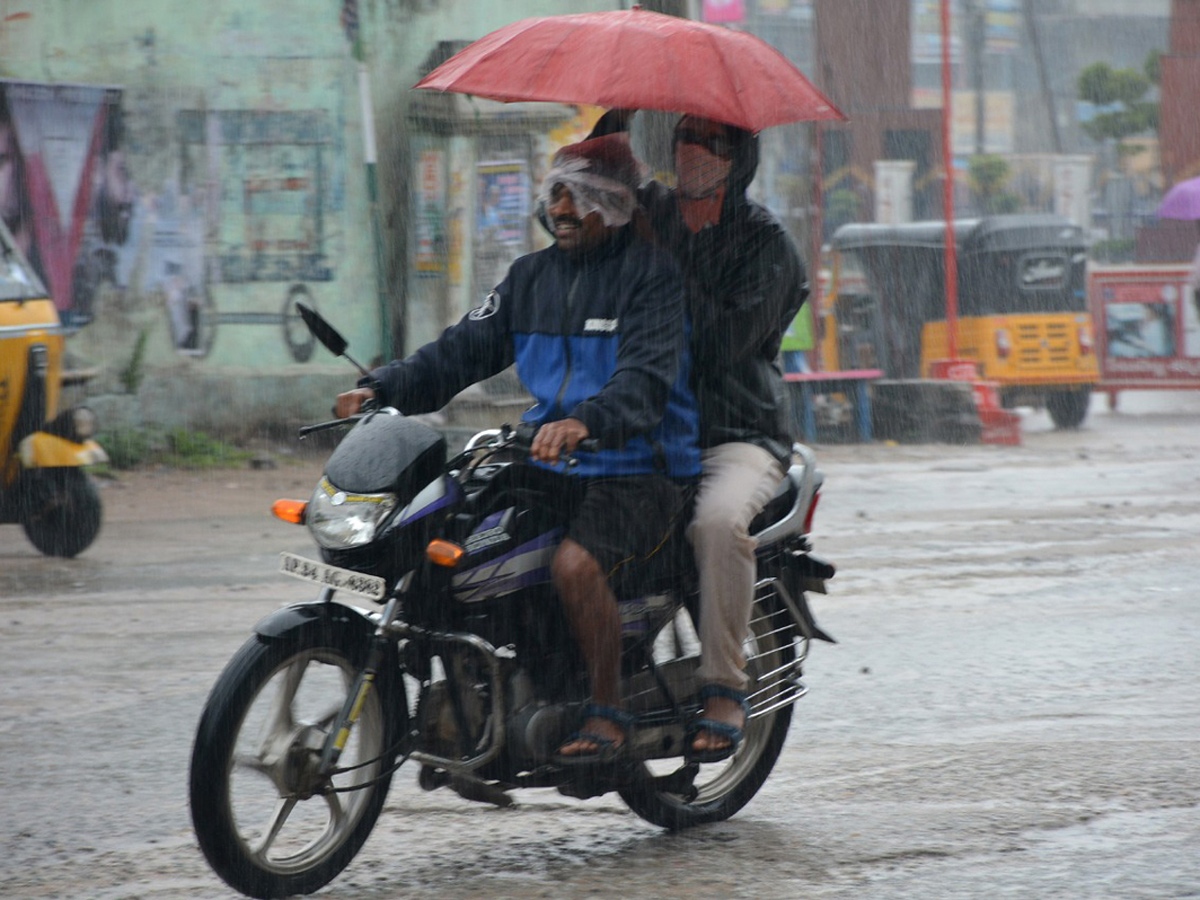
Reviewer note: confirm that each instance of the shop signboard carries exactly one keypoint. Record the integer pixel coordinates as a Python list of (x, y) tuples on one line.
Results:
[(1147, 327)]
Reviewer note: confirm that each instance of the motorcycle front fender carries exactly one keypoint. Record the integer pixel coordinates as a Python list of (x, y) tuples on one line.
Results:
[(49, 451), (349, 630), (337, 622)]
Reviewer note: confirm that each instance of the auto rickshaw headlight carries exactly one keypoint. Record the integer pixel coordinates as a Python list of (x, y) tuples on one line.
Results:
[(76, 424), (85, 422)]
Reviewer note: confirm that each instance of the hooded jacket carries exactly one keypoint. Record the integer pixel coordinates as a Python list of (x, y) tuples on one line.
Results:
[(598, 337), (744, 283)]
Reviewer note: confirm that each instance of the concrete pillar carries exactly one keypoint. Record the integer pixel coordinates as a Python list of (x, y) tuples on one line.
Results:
[(893, 190), (1073, 189)]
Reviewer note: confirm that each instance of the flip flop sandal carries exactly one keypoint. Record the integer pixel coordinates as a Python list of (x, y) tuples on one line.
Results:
[(607, 750), (732, 733)]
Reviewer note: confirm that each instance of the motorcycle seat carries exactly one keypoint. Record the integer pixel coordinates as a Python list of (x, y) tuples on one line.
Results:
[(778, 506)]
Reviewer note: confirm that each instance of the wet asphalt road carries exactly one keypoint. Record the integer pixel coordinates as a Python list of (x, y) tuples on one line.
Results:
[(1011, 710)]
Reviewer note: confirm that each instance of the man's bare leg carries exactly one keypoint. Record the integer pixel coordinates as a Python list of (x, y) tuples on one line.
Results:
[(595, 623)]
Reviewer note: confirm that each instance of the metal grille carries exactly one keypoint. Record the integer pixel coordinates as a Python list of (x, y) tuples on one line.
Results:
[(1042, 345), (778, 681)]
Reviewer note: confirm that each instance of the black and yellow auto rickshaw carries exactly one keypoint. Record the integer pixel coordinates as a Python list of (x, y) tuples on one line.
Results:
[(1022, 306), (43, 452)]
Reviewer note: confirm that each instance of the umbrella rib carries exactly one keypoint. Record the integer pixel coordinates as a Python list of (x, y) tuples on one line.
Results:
[(552, 56), (536, 70), (730, 75)]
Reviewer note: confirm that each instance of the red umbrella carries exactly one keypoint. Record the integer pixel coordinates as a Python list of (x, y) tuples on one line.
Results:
[(636, 59)]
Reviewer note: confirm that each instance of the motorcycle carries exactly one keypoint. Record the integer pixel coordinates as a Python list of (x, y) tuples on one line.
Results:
[(462, 663), (44, 452)]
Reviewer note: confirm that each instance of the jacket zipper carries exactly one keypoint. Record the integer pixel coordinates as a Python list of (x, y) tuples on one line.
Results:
[(562, 389)]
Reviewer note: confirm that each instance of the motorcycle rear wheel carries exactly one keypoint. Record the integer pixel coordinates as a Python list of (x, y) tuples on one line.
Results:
[(267, 824), (725, 787)]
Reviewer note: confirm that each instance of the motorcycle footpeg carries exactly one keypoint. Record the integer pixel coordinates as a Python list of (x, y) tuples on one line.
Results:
[(480, 791), (430, 779)]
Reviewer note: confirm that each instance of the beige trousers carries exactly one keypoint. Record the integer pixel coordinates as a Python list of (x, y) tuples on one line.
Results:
[(738, 481)]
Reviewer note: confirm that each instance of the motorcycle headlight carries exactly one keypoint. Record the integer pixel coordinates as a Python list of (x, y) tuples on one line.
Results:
[(339, 520)]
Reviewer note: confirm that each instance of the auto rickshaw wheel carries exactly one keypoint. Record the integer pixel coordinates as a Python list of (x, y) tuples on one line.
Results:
[(60, 510), (1068, 409)]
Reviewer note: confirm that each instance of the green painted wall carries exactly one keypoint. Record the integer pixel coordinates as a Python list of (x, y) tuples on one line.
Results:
[(242, 140)]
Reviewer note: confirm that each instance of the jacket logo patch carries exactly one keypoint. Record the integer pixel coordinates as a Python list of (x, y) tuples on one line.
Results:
[(606, 325), (489, 307)]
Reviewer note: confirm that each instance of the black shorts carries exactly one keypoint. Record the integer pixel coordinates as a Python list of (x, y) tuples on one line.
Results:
[(624, 522)]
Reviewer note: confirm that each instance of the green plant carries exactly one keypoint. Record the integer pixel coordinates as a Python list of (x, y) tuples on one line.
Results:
[(1113, 250), (988, 175), (841, 206), (128, 448), (133, 373), (197, 450)]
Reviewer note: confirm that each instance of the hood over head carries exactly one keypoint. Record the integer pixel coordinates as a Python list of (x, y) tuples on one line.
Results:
[(744, 156)]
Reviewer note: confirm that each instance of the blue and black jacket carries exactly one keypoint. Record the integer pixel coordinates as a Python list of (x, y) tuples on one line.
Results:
[(600, 337)]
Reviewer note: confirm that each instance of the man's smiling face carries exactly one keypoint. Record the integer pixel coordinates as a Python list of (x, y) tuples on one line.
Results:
[(572, 233)]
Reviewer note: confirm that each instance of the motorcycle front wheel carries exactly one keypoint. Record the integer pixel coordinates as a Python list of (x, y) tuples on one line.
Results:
[(725, 787), (268, 823)]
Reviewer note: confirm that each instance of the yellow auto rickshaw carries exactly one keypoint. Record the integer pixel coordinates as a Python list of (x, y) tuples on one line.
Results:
[(1022, 306), (43, 452)]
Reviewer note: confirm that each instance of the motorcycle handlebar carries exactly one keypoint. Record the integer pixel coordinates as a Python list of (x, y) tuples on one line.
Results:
[(522, 437)]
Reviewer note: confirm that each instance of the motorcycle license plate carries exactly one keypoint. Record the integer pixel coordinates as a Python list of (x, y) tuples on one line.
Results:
[(331, 576)]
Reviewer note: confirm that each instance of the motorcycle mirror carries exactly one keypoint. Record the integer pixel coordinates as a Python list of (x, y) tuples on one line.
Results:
[(322, 330), (329, 336)]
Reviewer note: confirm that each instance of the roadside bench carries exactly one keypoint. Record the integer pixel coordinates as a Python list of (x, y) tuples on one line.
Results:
[(854, 383)]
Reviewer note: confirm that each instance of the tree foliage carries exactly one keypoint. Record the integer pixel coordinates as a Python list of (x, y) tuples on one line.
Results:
[(1120, 95), (988, 175)]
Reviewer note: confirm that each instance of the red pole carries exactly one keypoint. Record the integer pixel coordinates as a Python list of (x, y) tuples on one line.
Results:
[(948, 192), (818, 228)]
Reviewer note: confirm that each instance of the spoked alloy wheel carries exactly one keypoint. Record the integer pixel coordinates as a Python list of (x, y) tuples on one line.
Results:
[(724, 788), (269, 825)]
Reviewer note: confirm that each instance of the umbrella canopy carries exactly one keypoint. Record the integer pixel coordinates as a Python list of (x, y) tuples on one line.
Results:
[(636, 59), (1182, 201)]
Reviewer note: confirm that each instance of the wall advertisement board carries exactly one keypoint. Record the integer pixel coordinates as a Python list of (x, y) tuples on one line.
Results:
[(1147, 327)]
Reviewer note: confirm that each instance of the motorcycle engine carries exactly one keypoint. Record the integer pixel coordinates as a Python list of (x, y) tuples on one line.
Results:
[(536, 727)]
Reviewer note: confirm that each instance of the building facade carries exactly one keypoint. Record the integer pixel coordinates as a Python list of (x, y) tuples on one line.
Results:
[(188, 173)]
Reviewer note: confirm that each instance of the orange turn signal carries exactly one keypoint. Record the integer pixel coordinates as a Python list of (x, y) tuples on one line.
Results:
[(290, 510), (444, 553)]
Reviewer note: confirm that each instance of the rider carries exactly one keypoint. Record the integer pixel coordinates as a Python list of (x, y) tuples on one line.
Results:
[(744, 283), (595, 325)]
